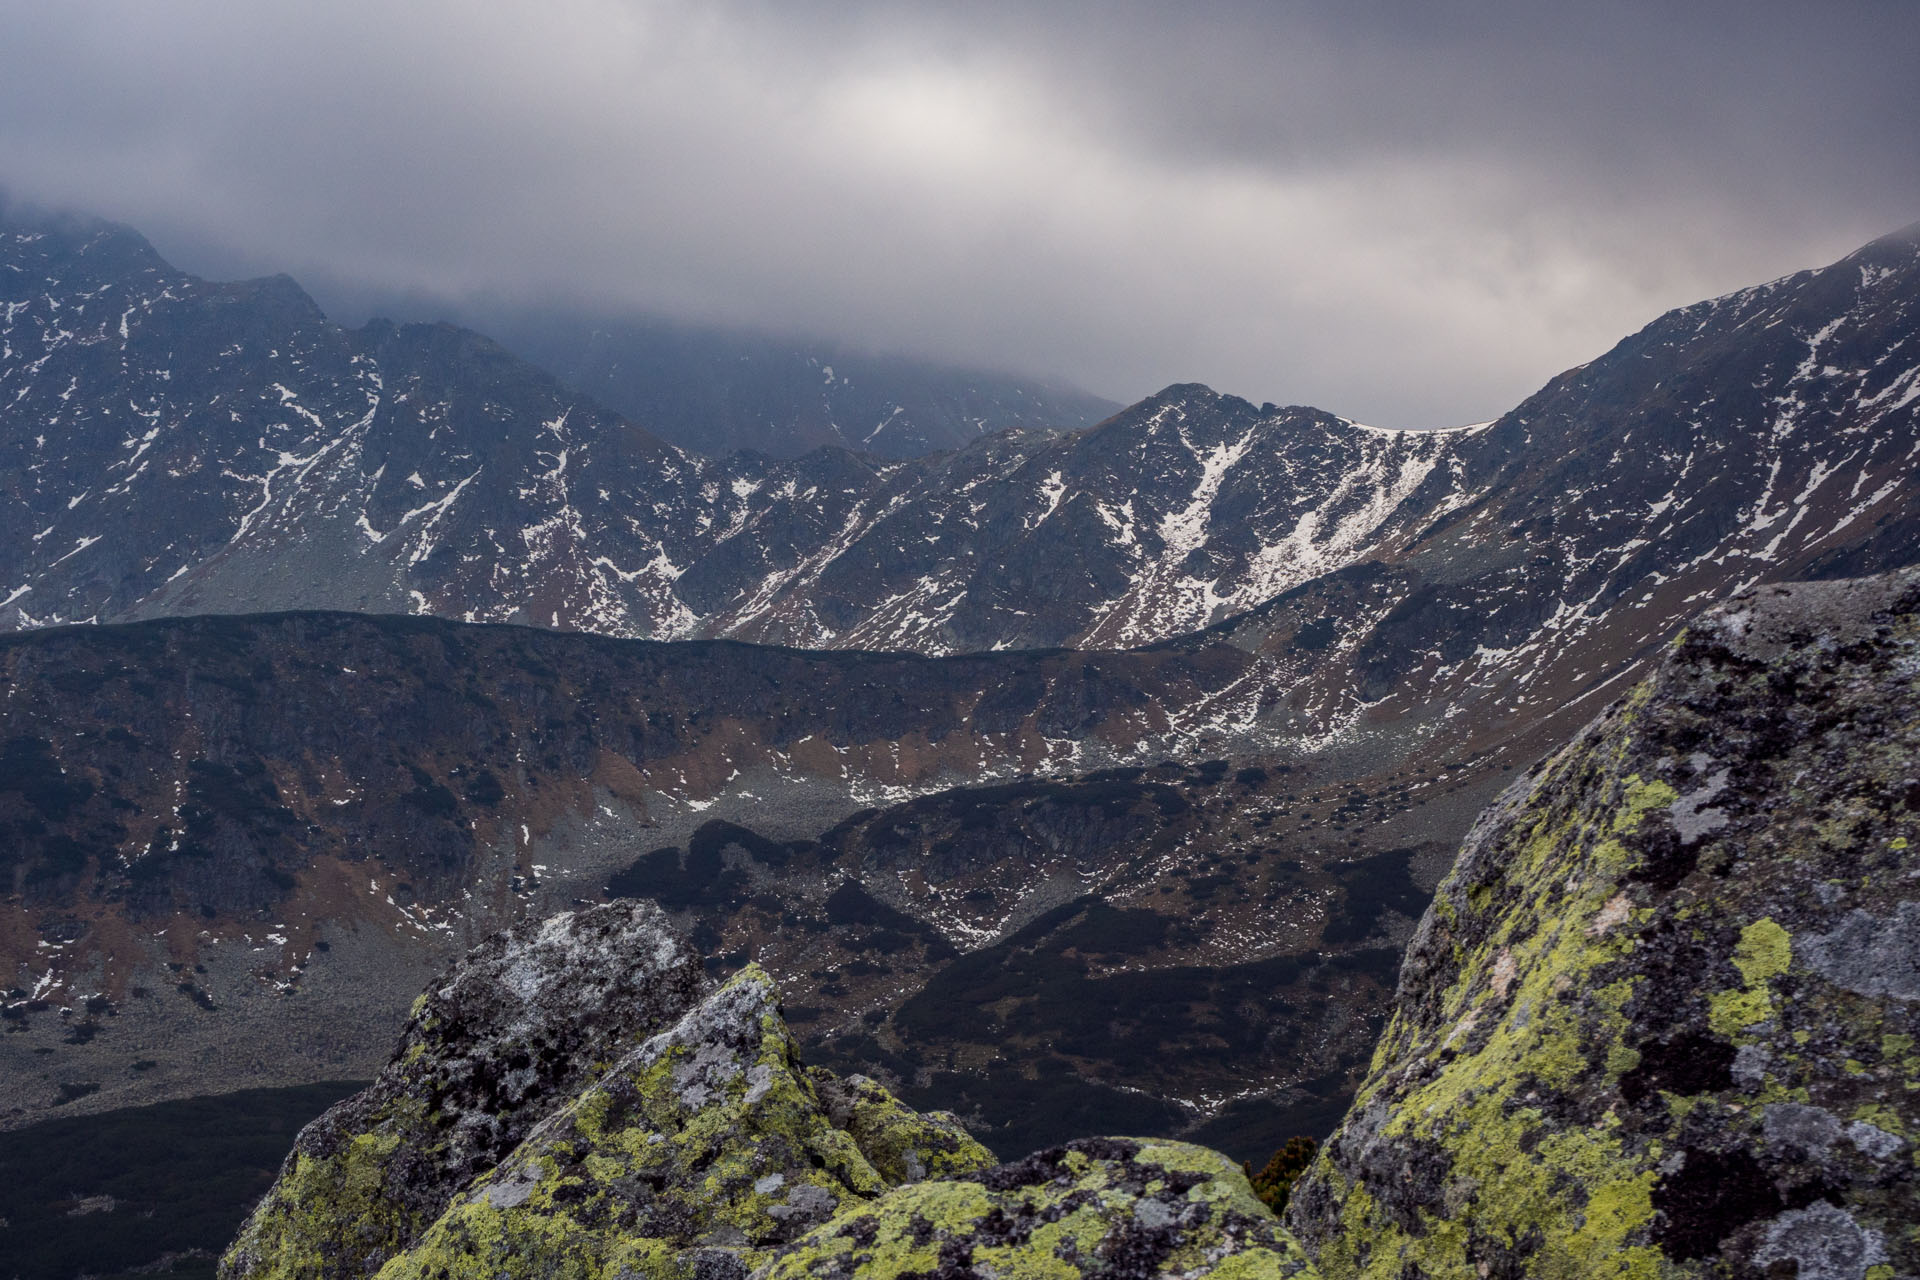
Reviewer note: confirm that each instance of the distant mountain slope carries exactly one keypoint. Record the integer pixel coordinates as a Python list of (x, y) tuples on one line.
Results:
[(1768, 435), (713, 391), (169, 444)]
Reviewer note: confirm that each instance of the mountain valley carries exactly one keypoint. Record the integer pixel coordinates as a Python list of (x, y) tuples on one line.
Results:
[(1069, 780), (263, 820)]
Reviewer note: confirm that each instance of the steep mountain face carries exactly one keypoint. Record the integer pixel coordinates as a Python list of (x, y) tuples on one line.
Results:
[(716, 391), (179, 447), (173, 447), (1185, 509), (1661, 1017)]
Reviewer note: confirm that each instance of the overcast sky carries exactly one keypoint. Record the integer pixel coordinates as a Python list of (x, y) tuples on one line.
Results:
[(1409, 213)]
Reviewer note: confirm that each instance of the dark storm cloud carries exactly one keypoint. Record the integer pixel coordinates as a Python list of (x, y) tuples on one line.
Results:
[(1411, 213)]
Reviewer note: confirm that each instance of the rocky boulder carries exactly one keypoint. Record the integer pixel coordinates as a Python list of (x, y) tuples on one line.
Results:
[(1663, 1018), (699, 1155), (515, 1030)]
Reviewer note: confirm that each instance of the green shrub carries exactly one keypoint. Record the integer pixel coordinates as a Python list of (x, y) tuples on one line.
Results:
[(1274, 1183)]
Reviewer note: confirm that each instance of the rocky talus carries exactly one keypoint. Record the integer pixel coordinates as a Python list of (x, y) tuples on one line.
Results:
[(1662, 1018), (528, 1127)]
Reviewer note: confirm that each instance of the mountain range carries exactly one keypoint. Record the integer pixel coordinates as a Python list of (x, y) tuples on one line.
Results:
[(174, 447)]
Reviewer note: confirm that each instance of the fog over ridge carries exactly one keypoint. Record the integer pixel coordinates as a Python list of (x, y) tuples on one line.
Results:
[(1407, 214)]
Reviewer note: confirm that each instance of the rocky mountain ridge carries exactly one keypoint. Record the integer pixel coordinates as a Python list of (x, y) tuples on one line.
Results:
[(1766, 436), (177, 447)]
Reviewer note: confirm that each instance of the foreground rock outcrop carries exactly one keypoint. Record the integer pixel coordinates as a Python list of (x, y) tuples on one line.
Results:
[(703, 1151), (1663, 1019), (531, 1126), (529, 1017)]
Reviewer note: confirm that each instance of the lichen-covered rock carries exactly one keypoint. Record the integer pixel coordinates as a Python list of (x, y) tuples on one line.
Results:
[(903, 1145), (697, 1155), (1663, 1018), (1108, 1207), (516, 1029)]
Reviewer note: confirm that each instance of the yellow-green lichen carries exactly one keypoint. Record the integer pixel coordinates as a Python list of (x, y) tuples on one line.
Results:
[(1763, 952), (1525, 1118), (1572, 1202), (1734, 1010), (488, 1052), (326, 1211), (901, 1144)]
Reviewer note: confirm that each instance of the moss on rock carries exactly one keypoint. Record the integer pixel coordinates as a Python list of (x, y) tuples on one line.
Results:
[(1667, 976)]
